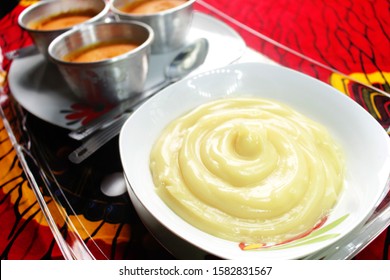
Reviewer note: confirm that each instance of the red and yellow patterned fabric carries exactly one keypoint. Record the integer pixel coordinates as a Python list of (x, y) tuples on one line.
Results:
[(323, 39), (343, 43)]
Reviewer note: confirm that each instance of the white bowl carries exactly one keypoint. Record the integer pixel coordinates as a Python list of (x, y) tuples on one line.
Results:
[(366, 146)]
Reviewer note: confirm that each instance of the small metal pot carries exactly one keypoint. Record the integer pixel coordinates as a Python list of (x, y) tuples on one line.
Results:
[(106, 81), (170, 26)]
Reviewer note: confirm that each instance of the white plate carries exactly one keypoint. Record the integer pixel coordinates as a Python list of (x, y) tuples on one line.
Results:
[(366, 146), (40, 89)]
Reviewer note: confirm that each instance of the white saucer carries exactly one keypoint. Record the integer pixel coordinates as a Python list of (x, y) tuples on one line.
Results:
[(40, 89)]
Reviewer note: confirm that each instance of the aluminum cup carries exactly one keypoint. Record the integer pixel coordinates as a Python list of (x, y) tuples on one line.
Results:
[(170, 26), (106, 81)]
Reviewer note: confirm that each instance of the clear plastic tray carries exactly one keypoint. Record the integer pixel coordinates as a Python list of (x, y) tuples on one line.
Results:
[(90, 225)]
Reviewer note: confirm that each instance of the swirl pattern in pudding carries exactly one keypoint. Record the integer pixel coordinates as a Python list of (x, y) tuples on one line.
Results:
[(248, 170)]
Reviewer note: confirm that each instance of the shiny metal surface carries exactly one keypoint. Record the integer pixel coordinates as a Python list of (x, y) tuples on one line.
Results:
[(45, 9), (22, 52), (170, 26), (106, 81)]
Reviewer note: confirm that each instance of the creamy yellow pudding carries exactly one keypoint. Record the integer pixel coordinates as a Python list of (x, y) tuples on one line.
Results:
[(150, 6), (248, 170)]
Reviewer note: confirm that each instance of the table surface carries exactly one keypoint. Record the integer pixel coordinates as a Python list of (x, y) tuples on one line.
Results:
[(51, 209)]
